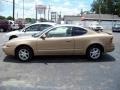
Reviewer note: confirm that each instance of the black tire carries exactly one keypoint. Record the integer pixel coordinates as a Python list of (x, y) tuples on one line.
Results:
[(94, 55), (12, 37), (26, 55)]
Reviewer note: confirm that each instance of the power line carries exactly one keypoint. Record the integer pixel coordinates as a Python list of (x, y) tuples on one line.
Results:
[(18, 6)]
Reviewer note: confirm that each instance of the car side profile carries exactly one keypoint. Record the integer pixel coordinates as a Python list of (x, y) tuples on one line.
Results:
[(116, 28), (96, 27), (29, 30), (61, 40)]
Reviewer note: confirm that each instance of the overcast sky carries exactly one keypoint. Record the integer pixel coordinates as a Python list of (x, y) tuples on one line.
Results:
[(67, 7)]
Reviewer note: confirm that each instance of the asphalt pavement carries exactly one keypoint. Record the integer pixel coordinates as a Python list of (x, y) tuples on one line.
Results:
[(61, 72)]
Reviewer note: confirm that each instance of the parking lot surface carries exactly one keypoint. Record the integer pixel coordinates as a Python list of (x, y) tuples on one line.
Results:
[(61, 72)]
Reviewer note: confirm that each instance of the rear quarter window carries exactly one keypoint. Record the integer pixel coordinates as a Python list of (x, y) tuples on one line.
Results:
[(76, 31)]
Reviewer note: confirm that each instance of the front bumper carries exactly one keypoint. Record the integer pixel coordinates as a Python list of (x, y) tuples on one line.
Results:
[(8, 50)]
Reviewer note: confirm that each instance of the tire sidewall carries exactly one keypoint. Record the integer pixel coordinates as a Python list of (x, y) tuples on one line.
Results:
[(28, 49), (89, 50)]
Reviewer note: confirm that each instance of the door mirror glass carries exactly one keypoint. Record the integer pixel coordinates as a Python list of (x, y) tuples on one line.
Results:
[(24, 30)]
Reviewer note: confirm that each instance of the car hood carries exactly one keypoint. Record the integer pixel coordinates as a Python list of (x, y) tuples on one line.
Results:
[(24, 38), (13, 32)]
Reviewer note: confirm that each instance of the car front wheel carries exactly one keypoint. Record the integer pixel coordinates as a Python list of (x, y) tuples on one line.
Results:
[(94, 53), (24, 53)]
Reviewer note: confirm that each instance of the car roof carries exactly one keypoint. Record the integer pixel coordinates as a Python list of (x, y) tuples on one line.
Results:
[(49, 23), (70, 25)]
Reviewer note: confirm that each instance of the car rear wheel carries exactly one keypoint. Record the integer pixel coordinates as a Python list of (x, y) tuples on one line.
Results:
[(94, 53), (24, 53)]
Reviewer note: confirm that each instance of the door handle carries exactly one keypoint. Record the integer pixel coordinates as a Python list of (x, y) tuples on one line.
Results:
[(68, 41)]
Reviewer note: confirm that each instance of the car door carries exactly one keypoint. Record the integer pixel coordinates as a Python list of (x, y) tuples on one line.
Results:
[(58, 41), (31, 30), (80, 37), (36, 28)]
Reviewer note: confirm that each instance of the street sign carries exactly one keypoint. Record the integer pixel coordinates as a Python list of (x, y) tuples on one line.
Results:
[(53, 16), (40, 8)]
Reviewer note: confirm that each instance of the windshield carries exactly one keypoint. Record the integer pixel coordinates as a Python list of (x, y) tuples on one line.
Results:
[(117, 25), (41, 32)]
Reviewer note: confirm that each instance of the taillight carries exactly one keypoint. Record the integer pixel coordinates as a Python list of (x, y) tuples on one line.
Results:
[(111, 39)]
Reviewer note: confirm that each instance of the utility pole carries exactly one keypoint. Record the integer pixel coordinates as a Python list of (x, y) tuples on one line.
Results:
[(13, 10), (17, 15), (99, 14), (44, 13), (36, 13), (49, 13), (81, 12), (23, 9)]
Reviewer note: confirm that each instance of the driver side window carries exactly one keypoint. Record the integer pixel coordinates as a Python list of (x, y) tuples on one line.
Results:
[(60, 32), (32, 28)]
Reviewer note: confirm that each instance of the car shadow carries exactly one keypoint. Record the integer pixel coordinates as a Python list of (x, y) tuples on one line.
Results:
[(61, 59)]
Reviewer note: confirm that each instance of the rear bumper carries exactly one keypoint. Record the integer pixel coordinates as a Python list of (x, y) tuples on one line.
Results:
[(110, 48), (116, 30)]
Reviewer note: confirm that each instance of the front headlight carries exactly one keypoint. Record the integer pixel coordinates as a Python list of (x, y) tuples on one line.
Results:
[(8, 44)]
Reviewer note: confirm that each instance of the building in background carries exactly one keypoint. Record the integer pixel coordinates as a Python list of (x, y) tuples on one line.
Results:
[(54, 17), (105, 20), (41, 10)]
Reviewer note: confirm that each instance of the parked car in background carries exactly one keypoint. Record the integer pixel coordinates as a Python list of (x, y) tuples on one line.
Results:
[(21, 26), (116, 28), (4, 26), (96, 27), (61, 40), (29, 30), (16, 26), (13, 26)]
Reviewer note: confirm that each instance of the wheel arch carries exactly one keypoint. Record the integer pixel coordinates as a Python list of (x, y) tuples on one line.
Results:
[(13, 36), (24, 45), (96, 44)]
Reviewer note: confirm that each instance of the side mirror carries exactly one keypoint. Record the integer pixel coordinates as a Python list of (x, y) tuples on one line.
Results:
[(43, 36), (24, 30)]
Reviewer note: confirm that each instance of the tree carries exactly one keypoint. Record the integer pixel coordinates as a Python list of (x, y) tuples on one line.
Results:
[(28, 20), (9, 18), (117, 7), (2, 17), (106, 6), (43, 20)]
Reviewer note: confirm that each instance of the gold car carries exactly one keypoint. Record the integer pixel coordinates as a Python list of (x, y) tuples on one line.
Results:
[(61, 40)]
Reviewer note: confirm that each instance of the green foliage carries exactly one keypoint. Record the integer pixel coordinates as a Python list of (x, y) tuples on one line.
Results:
[(9, 18), (28, 20), (2, 17), (106, 6), (42, 20)]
